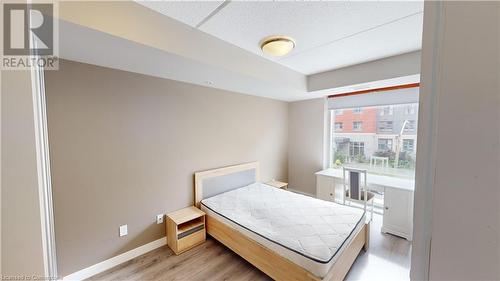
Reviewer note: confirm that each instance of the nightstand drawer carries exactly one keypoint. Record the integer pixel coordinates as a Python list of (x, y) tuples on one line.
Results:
[(191, 240), (190, 231)]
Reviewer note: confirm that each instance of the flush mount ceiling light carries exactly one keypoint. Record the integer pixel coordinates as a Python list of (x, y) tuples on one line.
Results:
[(277, 45)]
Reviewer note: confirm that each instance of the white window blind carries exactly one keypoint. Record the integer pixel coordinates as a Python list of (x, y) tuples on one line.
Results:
[(399, 96)]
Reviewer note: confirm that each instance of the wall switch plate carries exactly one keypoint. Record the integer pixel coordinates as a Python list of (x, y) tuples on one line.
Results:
[(123, 230), (159, 219)]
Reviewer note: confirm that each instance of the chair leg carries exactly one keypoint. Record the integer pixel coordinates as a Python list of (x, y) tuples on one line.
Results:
[(373, 208)]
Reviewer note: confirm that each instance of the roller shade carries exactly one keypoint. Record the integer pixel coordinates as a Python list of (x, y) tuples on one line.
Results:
[(375, 98)]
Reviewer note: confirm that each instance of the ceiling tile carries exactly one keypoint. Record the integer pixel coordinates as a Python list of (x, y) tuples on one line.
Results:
[(245, 24), (322, 29), (392, 39), (188, 12), (311, 24)]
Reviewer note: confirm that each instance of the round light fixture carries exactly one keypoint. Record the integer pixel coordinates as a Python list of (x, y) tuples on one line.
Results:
[(277, 45)]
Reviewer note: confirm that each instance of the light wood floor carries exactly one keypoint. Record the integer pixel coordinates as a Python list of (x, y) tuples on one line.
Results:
[(387, 259)]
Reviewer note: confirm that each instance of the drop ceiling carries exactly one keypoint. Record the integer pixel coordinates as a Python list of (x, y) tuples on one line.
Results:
[(329, 35), (153, 44)]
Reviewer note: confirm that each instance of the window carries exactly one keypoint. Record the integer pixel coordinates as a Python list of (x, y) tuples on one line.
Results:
[(357, 125), (410, 126), (356, 149), (357, 110), (376, 136), (408, 145), (338, 126), (386, 110), (410, 109), (338, 111), (385, 126), (384, 144)]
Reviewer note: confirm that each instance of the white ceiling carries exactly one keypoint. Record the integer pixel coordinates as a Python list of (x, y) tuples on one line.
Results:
[(161, 46), (329, 35)]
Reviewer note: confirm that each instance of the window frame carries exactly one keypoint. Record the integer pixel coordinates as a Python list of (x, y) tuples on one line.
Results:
[(354, 129), (340, 128), (410, 109), (412, 141), (390, 110), (385, 129), (389, 144), (356, 145)]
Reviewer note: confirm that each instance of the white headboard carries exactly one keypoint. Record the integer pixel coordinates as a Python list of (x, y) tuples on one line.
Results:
[(212, 182)]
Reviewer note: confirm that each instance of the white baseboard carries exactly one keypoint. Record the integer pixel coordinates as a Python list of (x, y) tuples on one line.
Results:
[(114, 261), (397, 233)]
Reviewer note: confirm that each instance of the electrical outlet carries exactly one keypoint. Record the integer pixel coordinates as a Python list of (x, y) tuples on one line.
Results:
[(123, 230), (159, 219)]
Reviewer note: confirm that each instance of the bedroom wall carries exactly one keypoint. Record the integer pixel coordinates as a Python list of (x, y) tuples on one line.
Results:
[(306, 143), (457, 189), (124, 148), (21, 234), (466, 241)]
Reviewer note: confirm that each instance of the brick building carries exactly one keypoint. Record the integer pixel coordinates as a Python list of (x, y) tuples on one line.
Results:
[(359, 133)]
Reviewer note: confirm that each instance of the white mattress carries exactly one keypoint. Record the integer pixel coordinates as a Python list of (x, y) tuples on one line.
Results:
[(309, 232)]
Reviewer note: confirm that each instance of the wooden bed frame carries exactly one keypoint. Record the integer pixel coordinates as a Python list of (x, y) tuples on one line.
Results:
[(268, 261)]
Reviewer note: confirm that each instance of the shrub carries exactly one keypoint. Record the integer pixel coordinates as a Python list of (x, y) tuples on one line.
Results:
[(339, 156), (406, 160), (385, 153), (360, 158)]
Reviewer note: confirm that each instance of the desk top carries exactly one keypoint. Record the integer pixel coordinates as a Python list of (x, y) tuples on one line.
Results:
[(373, 179)]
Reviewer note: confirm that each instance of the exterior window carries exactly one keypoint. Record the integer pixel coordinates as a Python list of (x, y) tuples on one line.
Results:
[(385, 144), (410, 126), (357, 110), (357, 126), (386, 110), (375, 140), (386, 126), (408, 145), (338, 126), (410, 109), (356, 149)]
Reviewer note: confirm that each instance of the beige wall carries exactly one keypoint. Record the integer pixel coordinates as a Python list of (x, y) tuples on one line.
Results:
[(124, 148), (460, 68), (306, 134), (21, 252)]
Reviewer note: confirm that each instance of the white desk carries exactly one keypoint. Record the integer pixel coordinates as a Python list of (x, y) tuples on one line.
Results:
[(398, 198), (374, 180)]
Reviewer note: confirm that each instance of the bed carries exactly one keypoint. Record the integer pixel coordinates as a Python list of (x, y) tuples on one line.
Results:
[(286, 235)]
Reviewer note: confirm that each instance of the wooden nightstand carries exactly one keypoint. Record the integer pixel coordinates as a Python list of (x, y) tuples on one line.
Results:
[(185, 229), (278, 184)]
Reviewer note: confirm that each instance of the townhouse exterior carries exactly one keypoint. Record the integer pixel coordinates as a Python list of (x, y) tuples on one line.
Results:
[(381, 131)]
